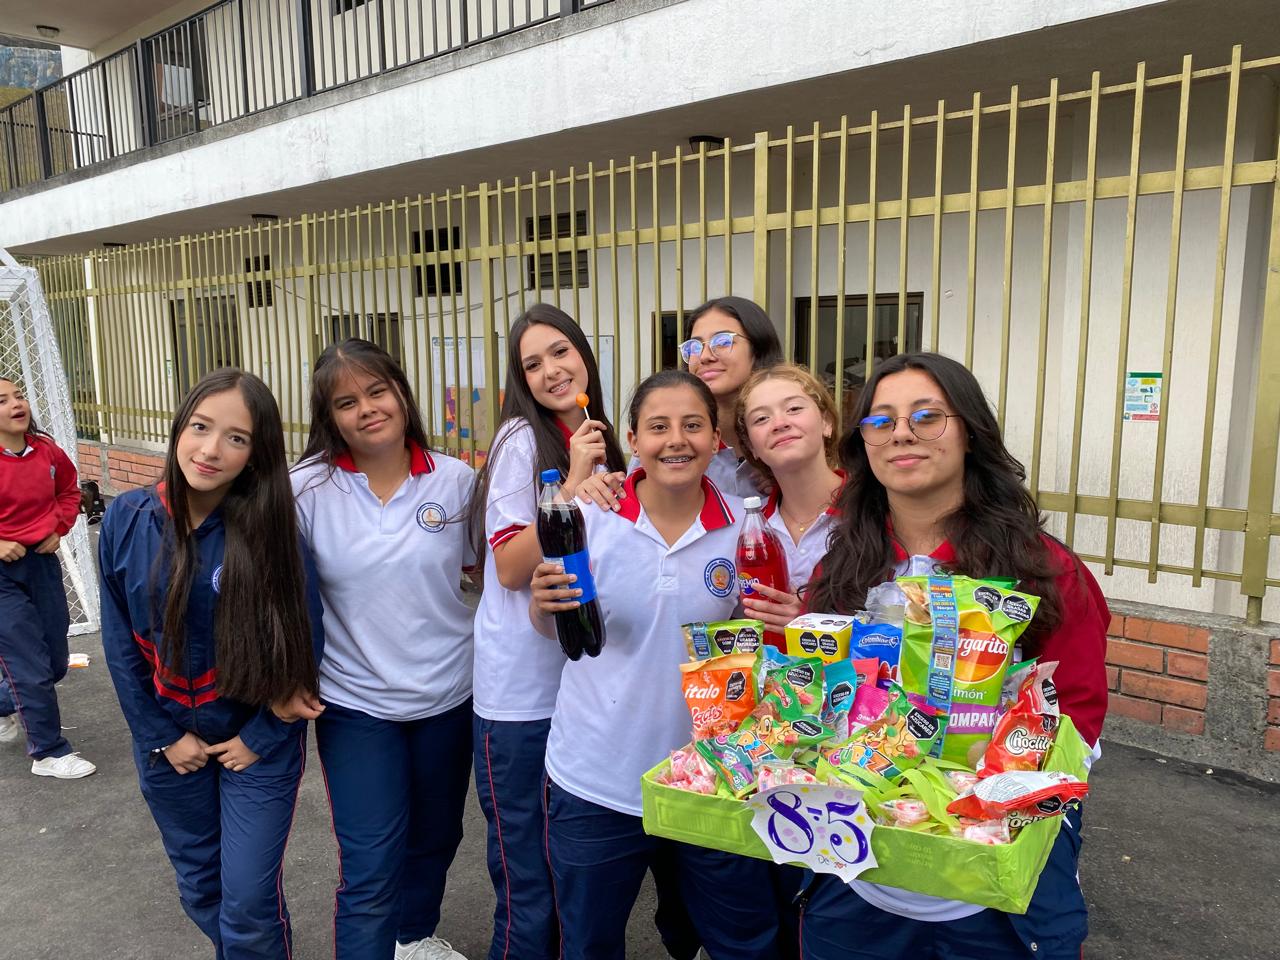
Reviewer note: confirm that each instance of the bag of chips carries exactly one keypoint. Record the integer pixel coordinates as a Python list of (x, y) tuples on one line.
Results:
[(734, 758), (842, 682), (898, 740), (719, 692), (957, 644), (722, 637), (1024, 734), (1023, 796)]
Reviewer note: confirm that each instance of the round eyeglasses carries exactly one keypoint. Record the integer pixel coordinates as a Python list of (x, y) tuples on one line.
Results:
[(718, 344), (927, 424)]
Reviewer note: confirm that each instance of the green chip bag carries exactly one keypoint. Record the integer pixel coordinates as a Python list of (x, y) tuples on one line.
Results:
[(957, 644)]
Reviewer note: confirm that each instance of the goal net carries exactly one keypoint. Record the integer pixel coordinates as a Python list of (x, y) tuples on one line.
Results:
[(29, 353)]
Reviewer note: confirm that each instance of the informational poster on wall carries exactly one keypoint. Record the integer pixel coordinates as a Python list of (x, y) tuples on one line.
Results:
[(1142, 395)]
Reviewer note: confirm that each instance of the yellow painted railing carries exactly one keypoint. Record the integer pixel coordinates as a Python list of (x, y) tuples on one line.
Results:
[(1059, 244)]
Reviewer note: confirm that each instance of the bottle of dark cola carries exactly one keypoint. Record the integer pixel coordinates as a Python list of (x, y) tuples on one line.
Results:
[(562, 534)]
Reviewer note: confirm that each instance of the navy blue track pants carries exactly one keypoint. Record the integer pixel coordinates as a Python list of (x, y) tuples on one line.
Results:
[(225, 834), (599, 857), (510, 782), (33, 649), (397, 790)]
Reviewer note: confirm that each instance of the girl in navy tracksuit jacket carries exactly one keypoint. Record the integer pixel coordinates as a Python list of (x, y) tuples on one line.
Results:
[(211, 624)]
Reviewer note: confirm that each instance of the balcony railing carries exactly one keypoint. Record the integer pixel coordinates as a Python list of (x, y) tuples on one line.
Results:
[(234, 59)]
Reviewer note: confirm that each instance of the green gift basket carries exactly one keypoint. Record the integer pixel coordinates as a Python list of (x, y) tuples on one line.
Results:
[(1003, 876)]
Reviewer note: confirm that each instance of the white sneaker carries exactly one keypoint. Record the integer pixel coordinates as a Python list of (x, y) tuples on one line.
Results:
[(432, 948), (9, 729), (71, 767)]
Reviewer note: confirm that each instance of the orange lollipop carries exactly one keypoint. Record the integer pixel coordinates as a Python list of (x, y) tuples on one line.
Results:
[(582, 400)]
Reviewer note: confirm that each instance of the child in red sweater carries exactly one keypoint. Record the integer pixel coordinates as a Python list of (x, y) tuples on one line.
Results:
[(39, 503)]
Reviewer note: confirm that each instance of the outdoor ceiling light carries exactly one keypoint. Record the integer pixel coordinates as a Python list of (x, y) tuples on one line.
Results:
[(711, 140), (264, 217), (47, 31)]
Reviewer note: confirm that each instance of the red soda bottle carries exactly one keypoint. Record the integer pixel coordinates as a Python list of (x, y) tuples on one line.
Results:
[(761, 560)]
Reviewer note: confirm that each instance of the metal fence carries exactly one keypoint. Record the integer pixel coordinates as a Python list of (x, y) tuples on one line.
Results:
[(1053, 242), (233, 59)]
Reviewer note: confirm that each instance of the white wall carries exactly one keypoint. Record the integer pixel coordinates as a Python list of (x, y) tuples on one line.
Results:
[(494, 101)]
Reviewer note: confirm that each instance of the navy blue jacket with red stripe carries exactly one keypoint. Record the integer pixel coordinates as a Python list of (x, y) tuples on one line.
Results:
[(161, 704)]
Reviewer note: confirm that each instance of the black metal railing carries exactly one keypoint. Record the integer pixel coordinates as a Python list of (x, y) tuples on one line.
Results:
[(237, 58)]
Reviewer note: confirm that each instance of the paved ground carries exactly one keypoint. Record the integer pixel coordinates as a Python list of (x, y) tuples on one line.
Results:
[(1178, 862)]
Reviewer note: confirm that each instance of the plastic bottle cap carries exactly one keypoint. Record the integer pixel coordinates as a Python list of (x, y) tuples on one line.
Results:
[(549, 476), (751, 503)]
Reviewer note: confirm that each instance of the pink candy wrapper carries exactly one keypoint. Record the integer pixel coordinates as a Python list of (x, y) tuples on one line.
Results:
[(773, 773), (689, 772)]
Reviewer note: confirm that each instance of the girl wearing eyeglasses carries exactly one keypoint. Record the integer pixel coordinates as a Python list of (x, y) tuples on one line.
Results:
[(729, 338), (931, 486)]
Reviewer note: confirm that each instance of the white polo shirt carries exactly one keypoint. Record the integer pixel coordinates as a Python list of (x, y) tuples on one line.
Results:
[(517, 669), (397, 630), (621, 712), (733, 477), (802, 557)]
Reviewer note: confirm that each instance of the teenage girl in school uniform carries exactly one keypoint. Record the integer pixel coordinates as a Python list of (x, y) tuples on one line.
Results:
[(517, 670), (39, 503), (728, 339), (384, 514), (665, 558), (211, 626), (931, 486)]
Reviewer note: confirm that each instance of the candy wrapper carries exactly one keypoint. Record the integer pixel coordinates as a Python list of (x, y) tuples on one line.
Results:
[(957, 644), (734, 758), (842, 682), (722, 638), (689, 771), (797, 683), (960, 781), (776, 773), (897, 741), (719, 692), (904, 812), (990, 832), (788, 716), (1023, 796), (1024, 733)]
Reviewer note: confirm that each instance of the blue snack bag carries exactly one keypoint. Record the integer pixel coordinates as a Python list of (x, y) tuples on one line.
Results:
[(880, 640)]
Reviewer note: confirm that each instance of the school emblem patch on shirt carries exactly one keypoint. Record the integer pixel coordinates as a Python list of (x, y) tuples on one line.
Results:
[(719, 577), (431, 517)]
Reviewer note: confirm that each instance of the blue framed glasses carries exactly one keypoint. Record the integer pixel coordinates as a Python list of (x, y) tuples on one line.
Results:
[(927, 424), (718, 344)]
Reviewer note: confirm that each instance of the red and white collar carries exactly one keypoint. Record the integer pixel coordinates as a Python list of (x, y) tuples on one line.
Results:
[(419, 460), (944, 554), (775, 496), (715, 511)]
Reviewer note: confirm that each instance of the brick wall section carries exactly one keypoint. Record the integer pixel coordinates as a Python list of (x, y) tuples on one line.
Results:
[(1158, 673), (1271, 739), (117, 469)]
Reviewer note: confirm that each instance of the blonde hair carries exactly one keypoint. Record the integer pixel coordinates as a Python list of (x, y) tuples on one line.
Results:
[(813, 388)]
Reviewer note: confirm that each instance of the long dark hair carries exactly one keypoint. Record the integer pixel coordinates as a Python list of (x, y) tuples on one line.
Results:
[(996, 532), (518, 401), (32, 429), (766, 349), (325, 439), (261, 628)]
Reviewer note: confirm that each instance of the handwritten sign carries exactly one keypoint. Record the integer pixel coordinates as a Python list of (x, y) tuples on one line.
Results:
[(1142, 395), (826, 828)]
